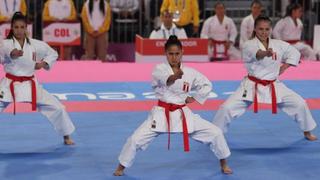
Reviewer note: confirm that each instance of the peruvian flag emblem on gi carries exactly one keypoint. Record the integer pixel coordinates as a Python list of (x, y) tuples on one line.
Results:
[(274, 56), (34, 57), (185, 87)]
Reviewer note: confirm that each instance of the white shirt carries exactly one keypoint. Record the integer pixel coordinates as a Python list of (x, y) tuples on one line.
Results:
[(246, 29), (164, 33), (97, 18), (213, 29), (268, 68), (285, 29), (177, 94), (9, 7), (124, 5), (60, 9)]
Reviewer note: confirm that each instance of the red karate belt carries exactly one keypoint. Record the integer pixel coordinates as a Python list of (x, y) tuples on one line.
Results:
[(293, 41), (14, 79), (216, 42), (273, 93), (172, 107)]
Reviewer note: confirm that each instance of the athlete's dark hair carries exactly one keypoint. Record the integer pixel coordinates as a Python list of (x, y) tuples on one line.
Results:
[(101, 7), (256, 2), (259, 19), (219, 3), (291, 8), (173, 40), (262, 18)]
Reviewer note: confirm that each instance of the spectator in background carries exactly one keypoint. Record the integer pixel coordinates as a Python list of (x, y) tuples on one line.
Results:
[(96, 17), (124, 9), (221, 32), (9, 7), (247, 24), (290, 29), (152, 8), (60, 11), (185, 14), (167, 28)]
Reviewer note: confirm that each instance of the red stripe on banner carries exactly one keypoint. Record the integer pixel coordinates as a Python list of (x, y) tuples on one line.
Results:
[(118, 106)]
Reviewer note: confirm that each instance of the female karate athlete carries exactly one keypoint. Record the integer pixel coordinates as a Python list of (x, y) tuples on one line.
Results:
[(21, 57), (266, 59), (172, 83)]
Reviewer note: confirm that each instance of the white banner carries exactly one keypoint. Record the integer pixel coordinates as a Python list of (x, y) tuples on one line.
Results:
[(5, 29), (62, 34), (316, 38)]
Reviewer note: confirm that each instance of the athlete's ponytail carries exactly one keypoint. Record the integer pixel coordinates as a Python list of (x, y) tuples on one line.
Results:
[(173, 40)]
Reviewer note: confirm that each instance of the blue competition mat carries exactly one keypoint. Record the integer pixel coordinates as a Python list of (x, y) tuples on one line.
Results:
[(263, 146)]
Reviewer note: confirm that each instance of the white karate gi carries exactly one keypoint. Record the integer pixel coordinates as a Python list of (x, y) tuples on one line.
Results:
[(47, 104), (246, 29), (164, 33), (225, 31), (156, 123), (285, 29), (267, 69)]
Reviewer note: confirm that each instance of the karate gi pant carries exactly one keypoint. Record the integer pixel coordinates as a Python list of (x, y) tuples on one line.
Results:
[(204, 132), (50, 107), (292, 104)]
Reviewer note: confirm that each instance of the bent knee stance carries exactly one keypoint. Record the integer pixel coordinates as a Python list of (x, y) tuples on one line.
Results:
[(215, 132), (137, 142)]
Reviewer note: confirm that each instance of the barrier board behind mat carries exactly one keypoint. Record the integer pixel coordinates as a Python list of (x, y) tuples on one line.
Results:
[(152, 50)]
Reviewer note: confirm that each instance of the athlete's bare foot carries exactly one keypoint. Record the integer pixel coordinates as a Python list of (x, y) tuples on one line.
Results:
[(67, 140), (119, 170), (309, 136), (225, 169)]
